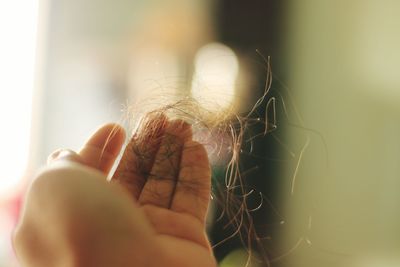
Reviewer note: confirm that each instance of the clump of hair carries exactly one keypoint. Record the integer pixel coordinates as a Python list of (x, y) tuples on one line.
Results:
[(223, 135)]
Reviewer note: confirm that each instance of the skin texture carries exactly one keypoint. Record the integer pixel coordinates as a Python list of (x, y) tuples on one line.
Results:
[(152, 213)]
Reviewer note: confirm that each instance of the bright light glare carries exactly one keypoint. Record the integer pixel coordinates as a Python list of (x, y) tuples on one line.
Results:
[(216, 70), (18, 25)]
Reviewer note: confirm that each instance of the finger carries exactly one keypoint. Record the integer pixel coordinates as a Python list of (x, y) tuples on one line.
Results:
[(192, 194), (103, 147), (161, 181), (64, 154), (139, 154)]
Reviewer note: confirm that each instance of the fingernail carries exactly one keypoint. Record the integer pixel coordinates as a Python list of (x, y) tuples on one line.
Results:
[(63, 154)]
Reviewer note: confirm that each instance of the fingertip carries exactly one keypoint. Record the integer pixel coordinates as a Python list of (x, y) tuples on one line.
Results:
[(196, 153), (103, 147), (180, 129), (116, 138), (111, 134)]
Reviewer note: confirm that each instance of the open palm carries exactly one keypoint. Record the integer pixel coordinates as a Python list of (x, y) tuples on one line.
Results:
[(168, 174), (151, 214)]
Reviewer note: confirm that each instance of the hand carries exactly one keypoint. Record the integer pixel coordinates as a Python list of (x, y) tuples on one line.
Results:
[(152, 214)]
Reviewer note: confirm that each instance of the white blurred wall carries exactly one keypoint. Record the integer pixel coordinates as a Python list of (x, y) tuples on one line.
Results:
[(344, 60), (96, 57)]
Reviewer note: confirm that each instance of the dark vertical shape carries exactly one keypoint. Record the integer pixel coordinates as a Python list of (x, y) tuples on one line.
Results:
[(248, 27)]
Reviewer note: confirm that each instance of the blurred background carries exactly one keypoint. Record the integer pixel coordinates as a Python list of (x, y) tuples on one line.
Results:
[(328, 176)]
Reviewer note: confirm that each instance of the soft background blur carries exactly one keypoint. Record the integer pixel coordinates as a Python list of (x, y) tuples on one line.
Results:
[(329, 174)]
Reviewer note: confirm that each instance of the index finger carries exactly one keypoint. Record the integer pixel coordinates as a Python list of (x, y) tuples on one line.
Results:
[(139, 154), (192, 193)]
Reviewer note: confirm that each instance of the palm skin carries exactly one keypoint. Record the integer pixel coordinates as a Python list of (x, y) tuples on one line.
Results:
[(152, 213)]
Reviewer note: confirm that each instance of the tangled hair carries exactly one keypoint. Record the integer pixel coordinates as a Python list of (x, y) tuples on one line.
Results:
[(224, 136)]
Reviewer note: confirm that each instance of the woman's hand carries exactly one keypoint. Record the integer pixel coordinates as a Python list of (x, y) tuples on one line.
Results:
[(152, 213)]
